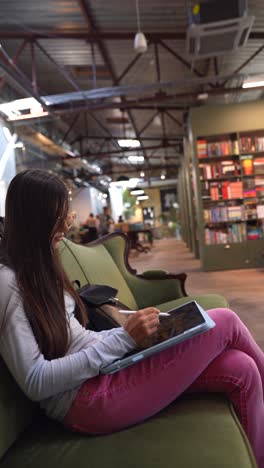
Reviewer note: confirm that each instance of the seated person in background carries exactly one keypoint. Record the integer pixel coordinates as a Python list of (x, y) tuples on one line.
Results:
[(56, 361), (120, 219), (91, 233)]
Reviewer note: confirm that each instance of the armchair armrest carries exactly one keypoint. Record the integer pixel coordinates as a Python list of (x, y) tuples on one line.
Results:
[(165, 275), (154, 273)]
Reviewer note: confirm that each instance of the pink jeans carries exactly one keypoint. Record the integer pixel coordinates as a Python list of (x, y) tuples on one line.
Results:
[(225, 359)]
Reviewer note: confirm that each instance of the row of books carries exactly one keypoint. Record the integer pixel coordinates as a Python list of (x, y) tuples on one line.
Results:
[(225, 190), (227, 235), (249, 166), (246, 144), (228, 190), (224, 213), (234, 233), (219, 170), (233, 213), (217, 148), (251, 144)]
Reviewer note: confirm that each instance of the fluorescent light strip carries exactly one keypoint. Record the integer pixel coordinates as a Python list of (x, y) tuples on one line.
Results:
[(129, 143), (136, 159), (137, 192), (253, 84)]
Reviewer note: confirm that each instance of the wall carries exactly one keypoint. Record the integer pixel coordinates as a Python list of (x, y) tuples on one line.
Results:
[(85, 201), (116, 202), (153, 200), (227, 118)]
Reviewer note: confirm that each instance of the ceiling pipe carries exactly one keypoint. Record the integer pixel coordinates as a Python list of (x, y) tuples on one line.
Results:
[(192, 96)]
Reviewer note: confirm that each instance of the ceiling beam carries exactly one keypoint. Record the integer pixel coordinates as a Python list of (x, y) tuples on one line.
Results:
[(125, 150), (111, 35), (142, 168), (190, 99), (84, 137)]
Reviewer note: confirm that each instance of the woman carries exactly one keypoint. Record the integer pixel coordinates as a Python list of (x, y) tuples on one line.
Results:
[(56, 361)]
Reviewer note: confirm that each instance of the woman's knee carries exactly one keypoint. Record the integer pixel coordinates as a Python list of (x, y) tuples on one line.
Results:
[(242, 367), (226, 316)]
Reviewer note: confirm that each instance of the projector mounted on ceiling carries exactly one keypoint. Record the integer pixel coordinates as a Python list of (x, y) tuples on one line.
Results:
[(217, 27)]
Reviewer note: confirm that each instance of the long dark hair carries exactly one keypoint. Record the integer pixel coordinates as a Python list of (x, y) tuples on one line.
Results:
[(36, 208)]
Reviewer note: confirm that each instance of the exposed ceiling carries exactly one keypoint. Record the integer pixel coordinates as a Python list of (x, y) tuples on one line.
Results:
[(85, 48)]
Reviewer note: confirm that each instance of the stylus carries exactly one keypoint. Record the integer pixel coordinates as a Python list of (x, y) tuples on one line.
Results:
[(128, 312)]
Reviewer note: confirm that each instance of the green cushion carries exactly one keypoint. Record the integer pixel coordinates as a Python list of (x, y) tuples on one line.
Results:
[(207, 301), (200, 432), (71, 264), (16, 411), (98, 267)]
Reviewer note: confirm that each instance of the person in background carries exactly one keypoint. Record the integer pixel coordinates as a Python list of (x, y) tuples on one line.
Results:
[(120, 219), (56, 361), (91, 233), (106, 221)]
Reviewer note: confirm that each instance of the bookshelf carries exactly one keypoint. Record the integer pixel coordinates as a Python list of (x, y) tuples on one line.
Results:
[(230, 191)]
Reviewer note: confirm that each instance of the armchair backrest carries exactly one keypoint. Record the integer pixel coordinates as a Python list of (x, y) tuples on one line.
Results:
[(94, 264)]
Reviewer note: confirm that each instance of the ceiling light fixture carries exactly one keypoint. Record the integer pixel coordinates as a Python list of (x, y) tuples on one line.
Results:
[(136, 159), (202, 96), (125, 183), (143, 197), (21, 109), (129, 143), (137, 192), (253, 83), (140, 41), (163, 175), (157, 121), (142, 174)]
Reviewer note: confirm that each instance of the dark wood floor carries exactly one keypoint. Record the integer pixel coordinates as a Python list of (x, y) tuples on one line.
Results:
[(243, 288)]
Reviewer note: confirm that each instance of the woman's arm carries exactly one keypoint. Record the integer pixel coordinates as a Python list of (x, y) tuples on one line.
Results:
[(39, 378)]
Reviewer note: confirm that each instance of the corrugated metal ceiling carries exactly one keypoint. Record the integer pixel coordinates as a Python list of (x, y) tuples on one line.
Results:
[(75, 57)]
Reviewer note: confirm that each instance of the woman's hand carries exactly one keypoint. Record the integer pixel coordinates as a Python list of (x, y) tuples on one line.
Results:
[(142, 324)]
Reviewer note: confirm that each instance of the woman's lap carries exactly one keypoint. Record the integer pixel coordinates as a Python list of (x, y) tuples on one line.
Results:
[(138, 392)]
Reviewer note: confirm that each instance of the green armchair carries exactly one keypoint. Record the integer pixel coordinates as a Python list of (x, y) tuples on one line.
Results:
[(197, 431)]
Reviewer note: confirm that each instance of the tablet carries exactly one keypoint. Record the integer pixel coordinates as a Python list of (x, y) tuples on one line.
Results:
[(182, 323)]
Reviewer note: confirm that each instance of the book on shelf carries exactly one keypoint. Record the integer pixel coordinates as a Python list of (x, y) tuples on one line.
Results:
[(224, 214), (229, 234), (247, 164), (235, 213), (202, 148), (260, 211), (235, 190), (251, 144), (217, 148), (258, 166), (254, 233), (259, 185), (219, 170), (250, 209)]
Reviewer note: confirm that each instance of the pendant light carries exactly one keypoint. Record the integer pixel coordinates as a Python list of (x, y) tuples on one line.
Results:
[(140, 41)]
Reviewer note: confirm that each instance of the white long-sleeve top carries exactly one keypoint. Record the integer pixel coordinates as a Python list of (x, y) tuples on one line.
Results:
[(53, 383)]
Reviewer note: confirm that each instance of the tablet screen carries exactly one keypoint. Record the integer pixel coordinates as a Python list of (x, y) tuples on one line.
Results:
[(181, 319)]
